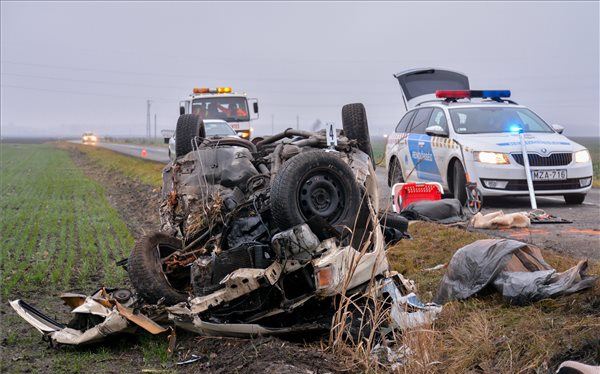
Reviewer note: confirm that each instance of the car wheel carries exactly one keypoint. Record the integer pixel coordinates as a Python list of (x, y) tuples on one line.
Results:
[(315, 184), (354, 122), (574, 198), (146, 272), (188, 127), (395, 173), (459, 183)]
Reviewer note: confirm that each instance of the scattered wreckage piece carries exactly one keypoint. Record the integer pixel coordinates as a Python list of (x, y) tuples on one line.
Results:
[(514, 268), (95, 318), (574, 367), (496, 220), (407, 311)]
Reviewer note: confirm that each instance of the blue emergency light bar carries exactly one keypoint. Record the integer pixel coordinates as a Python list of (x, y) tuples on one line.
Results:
[(463, 94)]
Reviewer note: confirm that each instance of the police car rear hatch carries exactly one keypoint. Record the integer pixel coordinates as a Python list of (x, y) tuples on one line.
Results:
[(419, 85)]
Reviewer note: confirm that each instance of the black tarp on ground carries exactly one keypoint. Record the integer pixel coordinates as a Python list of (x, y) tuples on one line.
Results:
[(440, 211)]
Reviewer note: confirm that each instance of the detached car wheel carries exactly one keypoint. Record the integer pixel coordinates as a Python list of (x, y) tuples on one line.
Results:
[(575, 198), (315, 184), (354, 122), (146, 272), (188, 127)]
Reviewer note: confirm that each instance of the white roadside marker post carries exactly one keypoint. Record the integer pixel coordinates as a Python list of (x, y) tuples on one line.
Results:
[(527, 170)]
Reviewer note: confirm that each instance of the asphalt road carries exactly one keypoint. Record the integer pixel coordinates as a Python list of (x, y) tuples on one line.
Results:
[(153, 153), (580, 238)]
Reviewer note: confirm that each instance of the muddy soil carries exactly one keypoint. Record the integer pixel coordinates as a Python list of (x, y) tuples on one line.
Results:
[(22, 349)]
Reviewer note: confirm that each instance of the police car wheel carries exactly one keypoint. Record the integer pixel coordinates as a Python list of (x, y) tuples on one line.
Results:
[(314, 184), (354, 122), (188, 127), (459, 182), (574, 198), (395, 173)]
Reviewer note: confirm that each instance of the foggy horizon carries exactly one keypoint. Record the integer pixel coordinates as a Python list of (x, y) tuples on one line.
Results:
[(69, 67)]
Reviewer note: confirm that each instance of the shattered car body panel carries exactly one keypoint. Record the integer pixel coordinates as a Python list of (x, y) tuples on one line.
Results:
[(92, 320)]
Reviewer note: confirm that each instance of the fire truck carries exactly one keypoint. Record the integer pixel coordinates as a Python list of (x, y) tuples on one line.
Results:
[(222, 103)]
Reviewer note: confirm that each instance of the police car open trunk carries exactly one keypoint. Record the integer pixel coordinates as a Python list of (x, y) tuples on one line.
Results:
[(419, 85)]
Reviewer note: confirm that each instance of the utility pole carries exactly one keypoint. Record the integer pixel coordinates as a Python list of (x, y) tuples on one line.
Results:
[(148, 119), (272, 124), (154, 125), (297, 122)]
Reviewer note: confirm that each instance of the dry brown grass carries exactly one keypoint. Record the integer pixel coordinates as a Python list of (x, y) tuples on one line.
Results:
[(484, 334), (147, 172)]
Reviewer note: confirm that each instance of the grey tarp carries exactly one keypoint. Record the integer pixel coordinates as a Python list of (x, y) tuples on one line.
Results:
[(440, 211), (515, 269)]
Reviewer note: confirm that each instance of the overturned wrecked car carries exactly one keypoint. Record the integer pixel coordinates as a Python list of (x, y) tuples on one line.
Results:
[(263, 234), (261, 238)]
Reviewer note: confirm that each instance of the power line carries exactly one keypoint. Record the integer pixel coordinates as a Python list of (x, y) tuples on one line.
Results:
[(171, 100), (187, 89), (187, 76), (87, 93), (91, 81)]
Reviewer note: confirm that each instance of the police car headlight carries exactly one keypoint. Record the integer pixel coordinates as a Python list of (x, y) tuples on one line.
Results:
[(582, 156), (491, 157)]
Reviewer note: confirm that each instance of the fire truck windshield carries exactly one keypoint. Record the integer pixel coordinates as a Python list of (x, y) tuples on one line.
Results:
[(225, 108)]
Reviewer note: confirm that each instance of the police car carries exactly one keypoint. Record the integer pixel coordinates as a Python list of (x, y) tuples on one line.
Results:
[(444, 114)]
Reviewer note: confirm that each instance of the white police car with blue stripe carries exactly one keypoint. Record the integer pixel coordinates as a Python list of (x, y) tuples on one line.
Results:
[(442, 116)]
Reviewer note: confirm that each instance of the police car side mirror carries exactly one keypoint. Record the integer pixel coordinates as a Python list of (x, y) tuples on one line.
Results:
[(558, 128), (436, 131)]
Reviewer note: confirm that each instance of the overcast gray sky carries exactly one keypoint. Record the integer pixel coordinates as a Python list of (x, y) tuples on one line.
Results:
[(68, 67)]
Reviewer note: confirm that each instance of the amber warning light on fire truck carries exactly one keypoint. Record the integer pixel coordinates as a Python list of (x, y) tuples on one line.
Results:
[(213, 90)]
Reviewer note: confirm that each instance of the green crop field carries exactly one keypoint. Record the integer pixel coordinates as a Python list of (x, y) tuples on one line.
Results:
[(57, 228)]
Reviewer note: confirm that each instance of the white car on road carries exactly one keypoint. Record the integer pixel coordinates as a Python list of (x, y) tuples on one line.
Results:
[(441, 116), (213, 128)]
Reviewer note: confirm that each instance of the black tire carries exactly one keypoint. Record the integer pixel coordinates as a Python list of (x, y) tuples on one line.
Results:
[(574, 198), (354, 122), (395, 173), (188, 127), (315, 183), (145, 269), (459, 182)]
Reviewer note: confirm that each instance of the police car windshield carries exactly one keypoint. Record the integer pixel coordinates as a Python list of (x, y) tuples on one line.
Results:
[(225, 108), (495, 120)]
